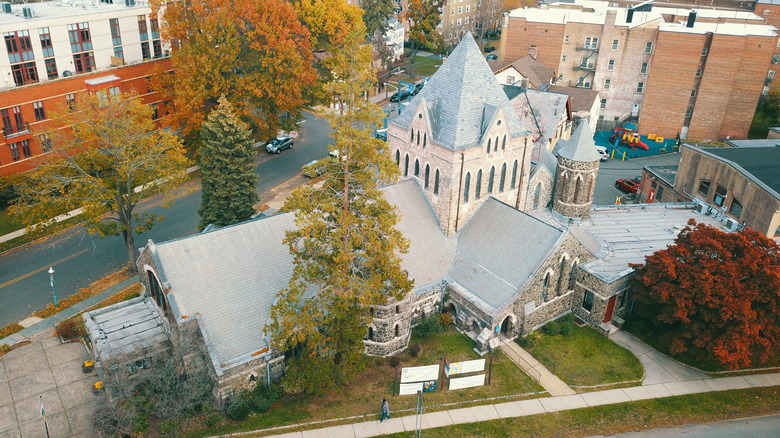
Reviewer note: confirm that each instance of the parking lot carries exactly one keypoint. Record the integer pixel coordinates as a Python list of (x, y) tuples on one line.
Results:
[(614, 169)]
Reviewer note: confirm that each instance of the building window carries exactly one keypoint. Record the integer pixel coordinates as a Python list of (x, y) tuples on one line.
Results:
[(688, 113), (563, 58), (770, 75), (427, 174), (84, 62), (19, 46), (46, 45), (436, 183), (545, 285), (514, 175), (406, 165), (116, 37), (466, 187), (495, 146), (142, 29), (704, 188), (587, 302), (537, 194), (397, 157), (478, 186), (566, 39), (503, 143), (720, 195), (775, 58), (611, 65), (649, 47), (45, 142), (416, 167), (118, 52), (591, 43), (488, 145), (40, 114), (606, 84), (736, 208), (460, 9), (459, 21), (704, 51), (155, 25), (510, 80), (615, 44), (693, 93), (15, 151), (145, 53), (24, 73), (80, 38), (603, 103), (640, 87), (25, 144), (418, 137), (490, 179), (643, 69), (698, 73), (503, 179)]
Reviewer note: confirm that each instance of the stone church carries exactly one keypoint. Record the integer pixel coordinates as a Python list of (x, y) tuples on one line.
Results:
[(504, 242)]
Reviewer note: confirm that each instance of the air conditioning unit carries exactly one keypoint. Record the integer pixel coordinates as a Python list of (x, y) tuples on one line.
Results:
[(704, 209), (5, 7), (28, 12), (732, 224), (129, 2)]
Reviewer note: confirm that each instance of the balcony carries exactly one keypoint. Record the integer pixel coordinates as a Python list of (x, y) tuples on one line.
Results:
[(590, 48), (10, 132), (585, 67)]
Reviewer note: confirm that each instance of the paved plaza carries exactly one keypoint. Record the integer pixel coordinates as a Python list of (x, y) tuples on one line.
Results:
[(49, 371)]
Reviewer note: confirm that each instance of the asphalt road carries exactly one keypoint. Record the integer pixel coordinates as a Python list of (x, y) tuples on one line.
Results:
[(757, 427), (80, 259)]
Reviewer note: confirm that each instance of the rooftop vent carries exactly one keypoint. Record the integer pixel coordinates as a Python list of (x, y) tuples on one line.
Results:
[(691, 19), (5, 7), (28, 12)]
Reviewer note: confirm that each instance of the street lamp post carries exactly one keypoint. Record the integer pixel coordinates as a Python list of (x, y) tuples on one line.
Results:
[(53, 291)]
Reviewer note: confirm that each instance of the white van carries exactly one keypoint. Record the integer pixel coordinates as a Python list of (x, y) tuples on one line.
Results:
[(602, 151)]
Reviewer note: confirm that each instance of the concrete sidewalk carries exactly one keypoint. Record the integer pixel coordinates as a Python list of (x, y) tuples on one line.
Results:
[(551, 383), (532, 407), (66, 313), (659, 368)]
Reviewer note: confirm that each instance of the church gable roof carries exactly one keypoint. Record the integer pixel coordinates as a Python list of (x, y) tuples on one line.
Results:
[(580, 147), (462, 89), (499, 251)]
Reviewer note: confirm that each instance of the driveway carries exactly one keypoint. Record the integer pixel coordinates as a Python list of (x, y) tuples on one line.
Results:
[(659, 368), (47, 371)]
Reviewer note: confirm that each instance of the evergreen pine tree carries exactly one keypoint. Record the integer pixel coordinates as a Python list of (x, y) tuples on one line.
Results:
[(228, 168)]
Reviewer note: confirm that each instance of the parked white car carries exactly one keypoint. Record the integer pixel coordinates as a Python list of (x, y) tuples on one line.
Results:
[(602, 152)]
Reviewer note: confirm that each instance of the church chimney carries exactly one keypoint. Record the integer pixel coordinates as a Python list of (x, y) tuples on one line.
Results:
[(532, 51)]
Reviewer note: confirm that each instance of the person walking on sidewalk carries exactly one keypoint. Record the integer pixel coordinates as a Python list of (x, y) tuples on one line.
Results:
[(385, 410)]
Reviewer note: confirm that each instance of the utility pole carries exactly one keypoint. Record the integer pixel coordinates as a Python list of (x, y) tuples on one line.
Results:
[(53, 291)]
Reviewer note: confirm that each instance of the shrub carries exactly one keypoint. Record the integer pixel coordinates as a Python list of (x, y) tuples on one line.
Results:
[(529, 341), (5, 348), (551, 328), (67, 330), (566, 328), (428, 327), (445, 319), (414, 350), (239, 409), (395, 361)]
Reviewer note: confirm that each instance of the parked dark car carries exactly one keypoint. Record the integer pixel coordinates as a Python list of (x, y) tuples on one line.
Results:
[(381, 134), (312, 169), (491, 56), (279, 144), (417, 87), (400, 96), (488, 49), (627, 185)]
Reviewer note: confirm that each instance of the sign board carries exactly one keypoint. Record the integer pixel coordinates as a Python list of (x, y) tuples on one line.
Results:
[(467, 382), (419, 374), (468, 366), (410, 388)]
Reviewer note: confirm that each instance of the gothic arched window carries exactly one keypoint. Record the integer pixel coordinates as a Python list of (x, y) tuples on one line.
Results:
[(416, 167), (488, 148), (397, 157), (537, 194), (478, 188), (514, 174), (406, 165), (503, 178), (436, 183), (427, 174), (490, 178), (425, 139), (466, 185), (503, 143)]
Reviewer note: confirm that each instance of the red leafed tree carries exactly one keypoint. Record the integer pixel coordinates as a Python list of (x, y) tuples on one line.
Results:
[(715, 295)]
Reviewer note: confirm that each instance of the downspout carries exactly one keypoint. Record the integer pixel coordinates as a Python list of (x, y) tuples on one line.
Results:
[(460, 190)]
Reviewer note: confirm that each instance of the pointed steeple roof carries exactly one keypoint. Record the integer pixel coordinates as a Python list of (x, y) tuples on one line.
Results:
[(460, 96), (580, 147)]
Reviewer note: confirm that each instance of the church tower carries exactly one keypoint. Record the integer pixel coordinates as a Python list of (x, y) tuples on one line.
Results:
[(575, 175), (462, 139)]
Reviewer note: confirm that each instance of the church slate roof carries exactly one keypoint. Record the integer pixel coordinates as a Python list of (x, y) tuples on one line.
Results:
[(499, 251), (230, 276), (580, 147), (458, 95)]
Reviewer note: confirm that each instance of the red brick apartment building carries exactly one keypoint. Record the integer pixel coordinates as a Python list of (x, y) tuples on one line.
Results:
[(694, 73), (55, 50)]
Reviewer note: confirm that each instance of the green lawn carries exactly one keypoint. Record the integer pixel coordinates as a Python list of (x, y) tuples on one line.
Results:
[(362, 397), (624, 417), (585, 358)]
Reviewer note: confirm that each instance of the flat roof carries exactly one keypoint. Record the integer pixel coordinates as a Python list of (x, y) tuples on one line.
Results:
[(759, 163), (73, 8), (759, 143), (666, 173), (629, 233)]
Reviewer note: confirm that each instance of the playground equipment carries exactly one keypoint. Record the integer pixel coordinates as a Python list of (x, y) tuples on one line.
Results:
[(626, 136)]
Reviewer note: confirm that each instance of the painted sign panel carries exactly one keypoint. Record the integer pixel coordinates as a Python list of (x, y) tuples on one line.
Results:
[(467, 366), (419, 374), (410, 388), (467, 382)]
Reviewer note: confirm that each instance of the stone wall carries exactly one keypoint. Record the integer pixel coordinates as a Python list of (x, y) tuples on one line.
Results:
[(545, 181), (427, 303), (390, 328), (567, 199)]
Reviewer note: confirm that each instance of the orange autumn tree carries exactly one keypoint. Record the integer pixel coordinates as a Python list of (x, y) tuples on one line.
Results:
[(715, 295), (254, 52)]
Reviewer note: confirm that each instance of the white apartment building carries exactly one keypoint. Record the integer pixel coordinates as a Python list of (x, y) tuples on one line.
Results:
[(49, 40)]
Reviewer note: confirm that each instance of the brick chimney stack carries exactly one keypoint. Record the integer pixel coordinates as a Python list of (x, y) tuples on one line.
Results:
[(532, 51)]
